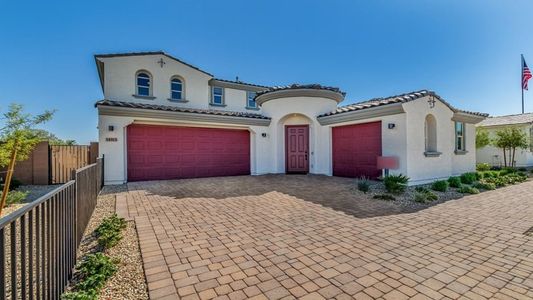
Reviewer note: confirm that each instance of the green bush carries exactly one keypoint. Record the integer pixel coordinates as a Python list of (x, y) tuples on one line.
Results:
[(363, 185), (440, 185), (396, 184), (425, 197), (109, 232), (466, 189), (422, 189), (483, 167), (95, 270), (522, 169), (468, 178), (15, 197), (484, 185), (507, 171), (454, 181), (386, 197), (491, 174)]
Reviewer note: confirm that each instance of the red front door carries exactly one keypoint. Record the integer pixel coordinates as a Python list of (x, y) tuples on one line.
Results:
[(297, 148)]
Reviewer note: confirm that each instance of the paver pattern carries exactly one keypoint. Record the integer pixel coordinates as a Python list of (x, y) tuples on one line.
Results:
[(310, 237)]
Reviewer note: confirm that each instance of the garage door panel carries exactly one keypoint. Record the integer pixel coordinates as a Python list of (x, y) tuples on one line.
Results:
[(165, 152), (356, 149)]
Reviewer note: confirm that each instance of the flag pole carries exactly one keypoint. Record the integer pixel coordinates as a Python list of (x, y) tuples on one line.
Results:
[(522, 79)]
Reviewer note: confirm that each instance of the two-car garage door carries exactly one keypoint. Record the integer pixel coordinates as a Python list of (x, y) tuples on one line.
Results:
[(168, 152), (356, 149)]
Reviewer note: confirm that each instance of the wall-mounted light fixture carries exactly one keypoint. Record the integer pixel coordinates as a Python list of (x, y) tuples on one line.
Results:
[(111, 128), (391, 125), (264, 134)]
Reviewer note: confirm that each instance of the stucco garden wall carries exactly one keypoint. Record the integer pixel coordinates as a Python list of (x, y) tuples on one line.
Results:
[(494, 156)]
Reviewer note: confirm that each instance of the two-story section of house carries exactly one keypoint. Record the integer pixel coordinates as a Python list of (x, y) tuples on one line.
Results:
[(162, 118)]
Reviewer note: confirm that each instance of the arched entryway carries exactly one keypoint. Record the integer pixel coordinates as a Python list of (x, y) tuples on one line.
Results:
[(294, 133)]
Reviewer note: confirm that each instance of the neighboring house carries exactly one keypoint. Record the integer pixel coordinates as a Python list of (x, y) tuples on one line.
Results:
[(162, 118), (493, 155)]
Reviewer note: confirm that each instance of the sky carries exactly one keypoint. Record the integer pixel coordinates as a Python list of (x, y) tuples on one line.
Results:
[(468, 52)]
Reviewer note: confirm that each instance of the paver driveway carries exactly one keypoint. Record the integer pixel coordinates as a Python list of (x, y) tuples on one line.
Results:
[(270, 237)]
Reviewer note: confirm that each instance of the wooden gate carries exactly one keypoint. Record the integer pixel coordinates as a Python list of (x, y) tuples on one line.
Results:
[(64, 159)]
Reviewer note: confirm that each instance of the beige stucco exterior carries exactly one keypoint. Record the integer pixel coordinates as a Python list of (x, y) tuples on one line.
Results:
[(406, 140)]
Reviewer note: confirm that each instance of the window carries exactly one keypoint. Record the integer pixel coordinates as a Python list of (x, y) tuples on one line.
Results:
[(250, 102), (460, 136), (144, 84), (431, 133), (176, 89), (217, 97)]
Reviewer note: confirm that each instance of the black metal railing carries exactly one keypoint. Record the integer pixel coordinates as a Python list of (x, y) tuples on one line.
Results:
[(38, 242)]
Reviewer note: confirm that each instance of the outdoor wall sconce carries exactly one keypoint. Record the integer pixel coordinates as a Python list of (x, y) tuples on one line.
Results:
[(111, 127), (391, 125), (264, 134)]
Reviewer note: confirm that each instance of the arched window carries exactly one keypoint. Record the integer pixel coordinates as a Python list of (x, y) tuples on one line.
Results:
[(144, 83), (176, 89), (431, 133)]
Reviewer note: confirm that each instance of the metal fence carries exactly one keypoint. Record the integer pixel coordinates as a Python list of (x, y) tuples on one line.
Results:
[(38, 242)]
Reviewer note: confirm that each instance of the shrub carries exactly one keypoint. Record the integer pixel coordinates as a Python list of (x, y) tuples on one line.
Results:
[(466, 189), (386, 197), (422, 189), (507, 170), (425, 197), (454, 181), (522, 169), (15, 197), (491, 174), (95, 269), (440, 185), (109, 231), (484, 185), (468, 178), (396, 184), (363, 185), (483, 167)]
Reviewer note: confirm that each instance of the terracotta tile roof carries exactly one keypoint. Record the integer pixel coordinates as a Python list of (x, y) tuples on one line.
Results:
[(244, 83), (403, 98), (151, 53), (508, 120), (180, 109), (296, 86)]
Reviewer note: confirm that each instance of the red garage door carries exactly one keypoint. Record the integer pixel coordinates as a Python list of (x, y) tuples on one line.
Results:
[(166, 152), (356, 149)]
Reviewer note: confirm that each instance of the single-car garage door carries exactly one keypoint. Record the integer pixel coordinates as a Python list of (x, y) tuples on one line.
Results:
[(356, 149), (167, 152)]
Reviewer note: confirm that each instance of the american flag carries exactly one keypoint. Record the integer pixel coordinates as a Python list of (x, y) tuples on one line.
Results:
[(526, 74)]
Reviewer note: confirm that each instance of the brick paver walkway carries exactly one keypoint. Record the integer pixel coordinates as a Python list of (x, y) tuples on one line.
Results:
[(269, 237)]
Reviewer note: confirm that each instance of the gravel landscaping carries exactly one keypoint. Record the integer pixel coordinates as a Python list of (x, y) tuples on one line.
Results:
[(128, 282), (407, 198)]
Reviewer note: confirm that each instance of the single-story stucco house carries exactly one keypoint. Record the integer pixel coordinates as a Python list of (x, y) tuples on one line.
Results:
[(162, 118), (493, 155)]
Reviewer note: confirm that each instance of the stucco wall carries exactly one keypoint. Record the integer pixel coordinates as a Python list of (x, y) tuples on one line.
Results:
[(119, 83), (295, 111), (494, 156), (421, 168)]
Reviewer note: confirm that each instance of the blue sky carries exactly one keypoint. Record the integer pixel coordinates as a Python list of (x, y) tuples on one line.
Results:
[(466, 51)]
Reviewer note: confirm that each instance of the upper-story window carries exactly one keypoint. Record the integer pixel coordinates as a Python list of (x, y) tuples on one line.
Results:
[(460, 136), (217, 95), (176, 89), (250, 100), (144, 84)]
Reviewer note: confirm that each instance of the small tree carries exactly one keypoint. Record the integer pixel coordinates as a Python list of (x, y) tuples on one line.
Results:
[(482, 138), (17, 140), (517, 139), (508, 140)]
